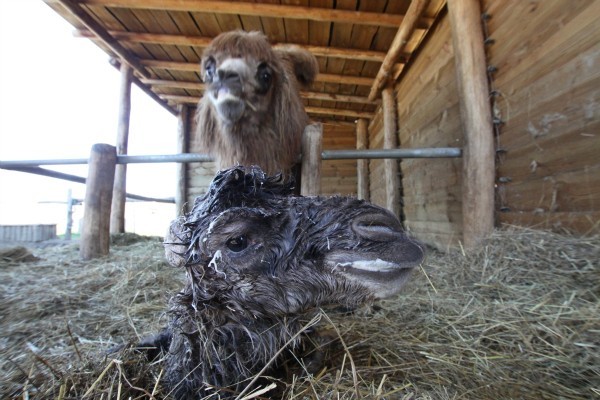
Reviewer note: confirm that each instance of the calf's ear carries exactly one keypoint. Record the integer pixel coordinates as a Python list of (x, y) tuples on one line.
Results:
[(303, 63)]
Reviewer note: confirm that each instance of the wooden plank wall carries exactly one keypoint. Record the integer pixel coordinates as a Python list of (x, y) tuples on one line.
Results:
[(337, 176), (548, 59), (376, 169), (428, 116)]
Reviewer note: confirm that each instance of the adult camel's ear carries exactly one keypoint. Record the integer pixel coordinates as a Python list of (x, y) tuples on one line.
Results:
[(304, 65)]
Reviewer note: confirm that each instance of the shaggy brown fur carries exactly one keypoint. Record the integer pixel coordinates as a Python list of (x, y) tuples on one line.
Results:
[(251, 112), (258, 263)]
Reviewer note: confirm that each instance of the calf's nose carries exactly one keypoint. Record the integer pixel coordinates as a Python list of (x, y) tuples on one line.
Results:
[(378, 226)]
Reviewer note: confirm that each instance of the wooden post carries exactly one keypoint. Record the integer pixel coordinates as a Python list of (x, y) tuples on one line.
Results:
[(390, 141), (117, 215), (69, 227), (478, 153), (312, 144), (95, 232), (183, 135), (362, 165)]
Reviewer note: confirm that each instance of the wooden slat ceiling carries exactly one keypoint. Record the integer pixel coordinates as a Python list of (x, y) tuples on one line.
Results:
[(360, 45)]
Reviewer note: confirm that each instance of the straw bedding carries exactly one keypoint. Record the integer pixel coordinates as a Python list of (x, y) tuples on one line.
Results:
[(519, 318)]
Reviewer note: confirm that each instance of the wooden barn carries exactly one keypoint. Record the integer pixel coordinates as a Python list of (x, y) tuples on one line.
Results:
[(513, 85), (476, 122)]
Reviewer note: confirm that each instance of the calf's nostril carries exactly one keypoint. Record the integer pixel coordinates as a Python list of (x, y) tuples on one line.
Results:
[(378, 227)]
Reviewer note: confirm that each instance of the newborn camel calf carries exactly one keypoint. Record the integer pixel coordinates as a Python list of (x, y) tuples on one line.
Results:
[(259, 263)]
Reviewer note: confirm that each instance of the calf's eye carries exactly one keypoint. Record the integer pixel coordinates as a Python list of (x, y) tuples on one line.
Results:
[(237, 244)]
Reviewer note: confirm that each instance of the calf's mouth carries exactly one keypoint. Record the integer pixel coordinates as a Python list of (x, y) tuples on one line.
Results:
[(386, 266)]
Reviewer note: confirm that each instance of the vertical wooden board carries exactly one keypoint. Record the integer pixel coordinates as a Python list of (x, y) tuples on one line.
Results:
[(312, 145)]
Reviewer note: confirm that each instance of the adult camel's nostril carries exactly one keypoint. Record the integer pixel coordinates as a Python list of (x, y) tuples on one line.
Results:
[(228, 75), (378, 226)]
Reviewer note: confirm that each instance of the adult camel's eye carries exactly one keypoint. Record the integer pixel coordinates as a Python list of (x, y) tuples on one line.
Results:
[(210, 67), (264, 76), (237, 244)]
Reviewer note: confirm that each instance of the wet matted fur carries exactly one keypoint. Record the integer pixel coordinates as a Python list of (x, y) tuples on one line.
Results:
[(259, 264)]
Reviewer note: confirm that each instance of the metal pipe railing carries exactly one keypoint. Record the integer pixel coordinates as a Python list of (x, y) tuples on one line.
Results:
[(440, 152)]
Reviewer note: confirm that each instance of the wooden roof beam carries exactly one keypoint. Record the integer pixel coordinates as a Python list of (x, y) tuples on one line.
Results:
[(336, 97), (261, 10), (339, 111), (305, 94), (90, 23), (203, 41), (405, 31), (194, 67), (310, 110)]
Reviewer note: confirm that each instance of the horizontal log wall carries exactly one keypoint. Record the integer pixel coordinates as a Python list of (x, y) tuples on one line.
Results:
[(429, 116), (548, 58)]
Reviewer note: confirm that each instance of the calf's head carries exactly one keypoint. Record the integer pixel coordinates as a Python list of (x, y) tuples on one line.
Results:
[(258, 262), (266, 251)]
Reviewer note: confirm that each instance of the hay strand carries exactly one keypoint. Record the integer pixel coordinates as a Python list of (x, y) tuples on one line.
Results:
[(517, 318)]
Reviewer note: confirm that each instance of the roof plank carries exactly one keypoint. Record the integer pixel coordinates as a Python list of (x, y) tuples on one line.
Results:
[(260, 9), (204, 41)]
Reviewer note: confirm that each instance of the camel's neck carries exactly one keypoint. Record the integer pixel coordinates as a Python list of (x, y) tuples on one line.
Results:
[(222, 346)]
